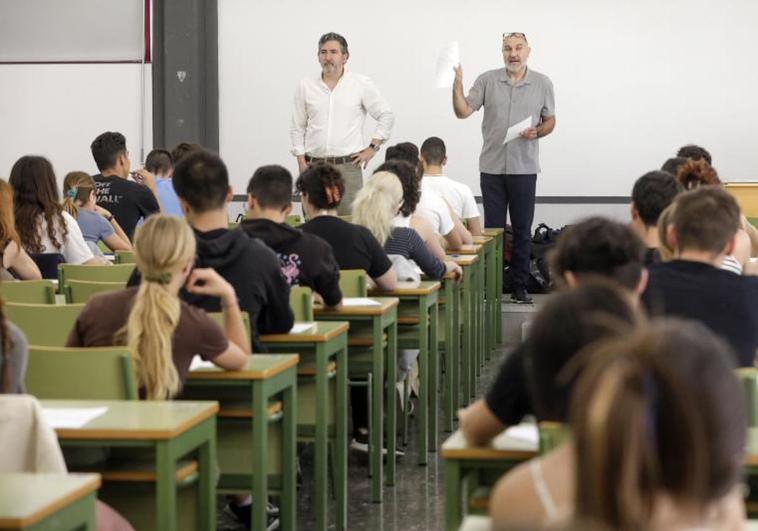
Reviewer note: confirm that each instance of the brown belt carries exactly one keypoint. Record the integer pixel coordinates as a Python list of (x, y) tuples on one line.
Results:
[(347, 159)]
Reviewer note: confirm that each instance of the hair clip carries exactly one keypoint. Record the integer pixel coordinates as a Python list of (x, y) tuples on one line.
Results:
[(71, 192), (161, 278)]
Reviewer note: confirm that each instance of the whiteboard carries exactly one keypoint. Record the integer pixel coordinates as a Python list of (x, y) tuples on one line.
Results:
[(71, 30), (633, 80)]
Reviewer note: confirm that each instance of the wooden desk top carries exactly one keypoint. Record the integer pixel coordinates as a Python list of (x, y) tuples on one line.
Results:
[(27, 498), (135, 419), (320, 333), (472, 248), (426, 287), (464, 260), (493, 231), (481, 240), (387, 303), (259, 367), (503, 447)]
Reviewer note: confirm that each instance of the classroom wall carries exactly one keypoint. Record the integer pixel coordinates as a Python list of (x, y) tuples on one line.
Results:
[(633, 80)]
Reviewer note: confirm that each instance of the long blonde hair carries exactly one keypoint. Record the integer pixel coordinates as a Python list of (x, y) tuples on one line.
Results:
[(162, 246), (77, 185), (377, 204)]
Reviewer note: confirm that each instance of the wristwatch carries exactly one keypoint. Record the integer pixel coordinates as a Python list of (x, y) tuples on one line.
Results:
[(375, 147)]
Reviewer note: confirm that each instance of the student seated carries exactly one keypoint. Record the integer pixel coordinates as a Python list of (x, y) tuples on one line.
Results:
[(201, 182), (305, 258), (96, 223), (659, 426), (42, 224), (15, 263), (162, 332), (13, 355), (431, 205), (376, 206), (652, 193), (160, 163), (458, 196), (702, 232), (595, 247), (321, 189), (568, 324), (128, 201)]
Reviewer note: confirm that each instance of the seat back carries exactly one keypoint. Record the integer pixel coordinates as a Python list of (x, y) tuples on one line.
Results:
[(301, 302), (293, 220), (28, 291), (347, 218), (552, 435), (353, 283), (105, 273), (99, 373), (124, 257), (82, 290), (219, 318), (44, 324), (748, 376), (48, 263)]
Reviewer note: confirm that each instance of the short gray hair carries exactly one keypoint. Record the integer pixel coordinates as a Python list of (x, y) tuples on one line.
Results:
[(331, 36)]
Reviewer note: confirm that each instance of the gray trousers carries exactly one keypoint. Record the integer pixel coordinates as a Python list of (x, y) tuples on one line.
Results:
[(353, 176)]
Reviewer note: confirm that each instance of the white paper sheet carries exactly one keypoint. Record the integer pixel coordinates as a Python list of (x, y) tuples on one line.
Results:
[(71, 418), (199, 363), (524, 432), (350, 302), (450, 56), (300, 328), (515, 130)]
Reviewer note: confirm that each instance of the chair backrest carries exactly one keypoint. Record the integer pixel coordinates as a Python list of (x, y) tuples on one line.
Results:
[(83, 290), (125, 257), (301, 302), (28, 291), (219, 318), (99, 373), (552, 435), (749, 378), (347, 218), (48, 263), (293, 220), (353, 283), (44, 324), (105, 273)]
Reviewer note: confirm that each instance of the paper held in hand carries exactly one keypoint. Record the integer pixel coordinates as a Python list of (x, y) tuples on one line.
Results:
[(515, 130), (449, 58)]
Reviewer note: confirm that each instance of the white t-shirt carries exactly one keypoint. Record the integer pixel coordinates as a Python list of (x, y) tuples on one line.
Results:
[(74, 248), (431, 206), (460, 196)]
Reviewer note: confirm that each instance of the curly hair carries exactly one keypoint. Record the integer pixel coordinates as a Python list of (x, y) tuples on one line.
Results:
[(694, 173), (323, 184), (406, 172)]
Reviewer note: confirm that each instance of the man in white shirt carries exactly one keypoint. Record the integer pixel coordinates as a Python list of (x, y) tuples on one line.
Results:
[(328, 116), (458, 195)]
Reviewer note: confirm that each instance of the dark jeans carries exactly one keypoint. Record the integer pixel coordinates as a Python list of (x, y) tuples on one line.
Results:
[(499, 192)]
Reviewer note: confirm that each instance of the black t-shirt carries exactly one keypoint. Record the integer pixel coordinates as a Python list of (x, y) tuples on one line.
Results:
[(652, 256), (508, 397), (354, 246), (724, 302), (126, 200)]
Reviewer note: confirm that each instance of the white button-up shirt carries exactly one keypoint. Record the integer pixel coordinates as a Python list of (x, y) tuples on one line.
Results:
[(329, 123)]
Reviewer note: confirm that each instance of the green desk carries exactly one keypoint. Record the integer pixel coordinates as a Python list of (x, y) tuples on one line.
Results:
[(381, 319), (417, 322), (478, 302), (325, 340), (467, 467), (171, 429), (46, 502), (266, 379), (468, 264), (492, 311), (499, 235)]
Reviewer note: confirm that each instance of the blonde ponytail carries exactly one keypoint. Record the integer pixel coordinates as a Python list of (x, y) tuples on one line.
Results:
[(77, 186), (163, 246), (377, 204)]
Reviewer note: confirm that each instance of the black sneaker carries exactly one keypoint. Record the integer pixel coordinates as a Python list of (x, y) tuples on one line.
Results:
[(520, 296), (242, 514)]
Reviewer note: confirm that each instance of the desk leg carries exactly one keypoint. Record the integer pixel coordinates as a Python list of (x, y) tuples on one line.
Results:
[(289, 454), (467, 331), (499, 288), (452, 495), (455, 359), (451, 356), (434, 376), (259, 485), (423, 364), (321, 437), (340, 453), (491, 303), (166, 483), (377, 405), (391, 401)]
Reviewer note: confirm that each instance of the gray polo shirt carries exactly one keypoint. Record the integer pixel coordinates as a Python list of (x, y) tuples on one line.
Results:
[(506, 105)]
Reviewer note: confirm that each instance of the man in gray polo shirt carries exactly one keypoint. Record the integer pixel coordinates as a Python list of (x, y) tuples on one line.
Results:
[(508, 173)]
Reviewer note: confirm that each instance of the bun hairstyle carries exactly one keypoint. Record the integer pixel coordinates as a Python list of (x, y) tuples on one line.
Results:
[(77, 186), (323, 184), (162, 246), (377, 204), (658, 412), (694, 173)]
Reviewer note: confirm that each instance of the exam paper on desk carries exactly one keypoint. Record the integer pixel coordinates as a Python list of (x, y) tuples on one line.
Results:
[(73, 417)]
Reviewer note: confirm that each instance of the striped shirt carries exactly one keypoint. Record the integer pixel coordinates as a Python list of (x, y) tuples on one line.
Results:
[(407, 243)]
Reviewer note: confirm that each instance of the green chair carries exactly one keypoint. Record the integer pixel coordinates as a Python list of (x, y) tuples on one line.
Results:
[(294, 220), (353, 283), (219, 318), (301, 302), (82, 290), (753, 221), (748, 376), (125, 257), (349, 219), (112, 273), (552, 435), (99, 373), (28, 291), (44, 324)]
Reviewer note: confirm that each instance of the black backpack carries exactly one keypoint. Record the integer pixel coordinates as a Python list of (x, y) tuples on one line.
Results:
[(543, 240)]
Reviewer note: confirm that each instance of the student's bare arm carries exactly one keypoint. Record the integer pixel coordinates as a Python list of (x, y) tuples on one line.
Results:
[(478, 423), (475, 226), (387, 281)]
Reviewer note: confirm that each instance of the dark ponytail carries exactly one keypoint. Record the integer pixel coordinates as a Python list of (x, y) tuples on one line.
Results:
[(323, 184)]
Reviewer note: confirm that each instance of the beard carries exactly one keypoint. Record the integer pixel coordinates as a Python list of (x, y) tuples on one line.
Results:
[(515, 67)]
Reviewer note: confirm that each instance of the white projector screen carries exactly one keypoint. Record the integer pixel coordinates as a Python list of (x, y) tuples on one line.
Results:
[(633, 80)]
